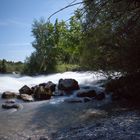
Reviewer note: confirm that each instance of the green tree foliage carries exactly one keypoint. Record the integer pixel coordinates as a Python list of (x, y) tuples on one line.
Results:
[(54, 44), (69, 43), (44, 57), (111, 35), (9, 66)]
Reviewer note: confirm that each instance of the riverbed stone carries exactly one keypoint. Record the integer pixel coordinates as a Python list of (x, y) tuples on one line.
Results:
[(42, 93), (10, 106), (86, 93), (26, 97), (49, 86), (9, 95), (25, 90), (68, 84)]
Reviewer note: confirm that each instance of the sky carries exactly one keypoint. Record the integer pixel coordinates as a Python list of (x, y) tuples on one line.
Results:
[(16, 19)]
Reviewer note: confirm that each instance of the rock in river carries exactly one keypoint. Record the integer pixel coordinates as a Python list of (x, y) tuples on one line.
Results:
[(25, 90), (10, 105), (8, 95), (42, 93), (68, 84), (26, 97), (49, 85), (86, 93)]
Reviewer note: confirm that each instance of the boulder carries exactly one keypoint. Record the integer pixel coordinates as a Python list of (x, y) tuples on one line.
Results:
[(8, 95), (49, 85), (10, 106), (68, 84), (86, 93), (25, 90), (42, 93), (26, 97), (100, 96)]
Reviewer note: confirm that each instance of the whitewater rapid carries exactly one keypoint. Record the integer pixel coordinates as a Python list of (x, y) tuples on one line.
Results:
[(13, 82)]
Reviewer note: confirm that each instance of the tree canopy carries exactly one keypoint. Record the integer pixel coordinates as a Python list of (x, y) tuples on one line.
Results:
[(111, 30), (102, 35)]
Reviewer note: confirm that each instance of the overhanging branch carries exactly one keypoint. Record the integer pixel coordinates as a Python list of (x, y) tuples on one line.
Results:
[(70, 5)]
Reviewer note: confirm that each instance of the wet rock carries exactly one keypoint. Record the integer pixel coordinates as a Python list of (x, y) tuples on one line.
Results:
[(10, 106), (26, 97), (100, 96), (34, 88), (86, 93), (49, 85), (68, 84), (73, 100), (42, 93), (25, 90), (9, 95)]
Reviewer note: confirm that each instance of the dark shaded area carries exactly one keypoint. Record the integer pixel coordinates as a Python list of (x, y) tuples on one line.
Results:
[(125, 87)]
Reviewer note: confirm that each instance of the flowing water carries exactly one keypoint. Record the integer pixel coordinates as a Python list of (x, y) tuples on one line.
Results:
[(46, 117)]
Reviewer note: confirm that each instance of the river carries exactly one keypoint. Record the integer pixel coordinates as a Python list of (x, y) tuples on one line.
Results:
[(47, 118), (39, 117)]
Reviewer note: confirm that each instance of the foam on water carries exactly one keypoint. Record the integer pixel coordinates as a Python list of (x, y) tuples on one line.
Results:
[(15, 82)]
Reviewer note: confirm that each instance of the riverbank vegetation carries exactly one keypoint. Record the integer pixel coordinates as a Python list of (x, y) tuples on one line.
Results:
[(10, 67), (55, 44), (102, 35)]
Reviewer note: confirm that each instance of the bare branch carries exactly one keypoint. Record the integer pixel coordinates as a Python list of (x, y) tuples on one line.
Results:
[(70, 5)]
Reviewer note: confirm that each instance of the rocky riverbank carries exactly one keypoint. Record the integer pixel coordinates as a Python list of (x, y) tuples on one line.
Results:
[(115, 121)]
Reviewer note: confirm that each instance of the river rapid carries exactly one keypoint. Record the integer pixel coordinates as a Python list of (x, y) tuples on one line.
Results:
[(44, 116), (48, 120)]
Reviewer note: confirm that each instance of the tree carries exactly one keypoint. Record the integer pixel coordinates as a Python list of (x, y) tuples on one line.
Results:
[(43, 59), (3, 68), (111, 34)]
